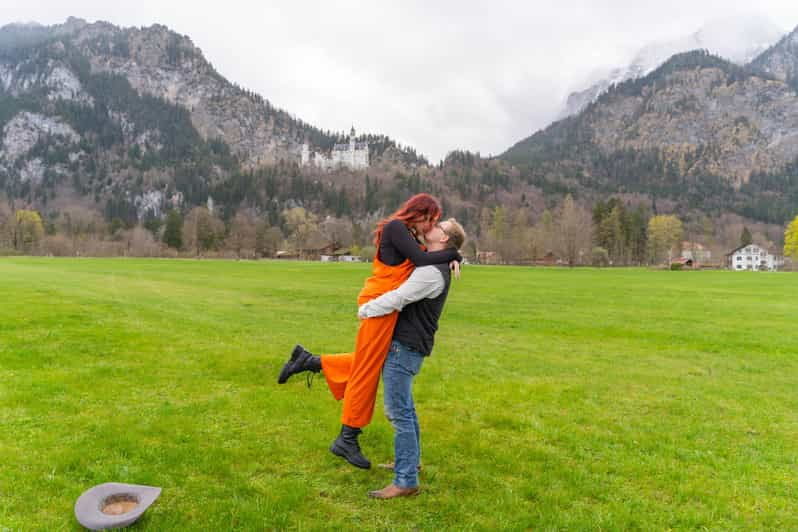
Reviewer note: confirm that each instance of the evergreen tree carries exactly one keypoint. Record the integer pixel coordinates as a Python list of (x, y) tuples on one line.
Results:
[(173, 234), (746, 238), (612, 236), (638, 235)]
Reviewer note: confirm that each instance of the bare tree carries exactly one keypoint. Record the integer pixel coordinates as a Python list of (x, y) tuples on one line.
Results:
[(202, 230), (486, 240), (762, 240), (469, 250), (545, 234), (80, 225), (139, 242), (500, 234), (6, 226), (573, 228), (242, 236), (522, 246), (304, 229), (268, 239), (337, 232), (58, 246)]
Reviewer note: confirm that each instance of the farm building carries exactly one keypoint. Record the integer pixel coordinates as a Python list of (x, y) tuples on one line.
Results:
[(755, 258)]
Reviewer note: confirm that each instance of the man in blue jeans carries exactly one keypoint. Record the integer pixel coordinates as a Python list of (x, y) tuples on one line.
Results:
[(420, 302)]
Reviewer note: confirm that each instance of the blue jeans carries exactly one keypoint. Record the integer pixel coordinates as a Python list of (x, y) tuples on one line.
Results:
[(401, 365)]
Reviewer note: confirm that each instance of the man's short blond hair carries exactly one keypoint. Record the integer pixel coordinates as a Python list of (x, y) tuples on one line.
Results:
[(456, 234)]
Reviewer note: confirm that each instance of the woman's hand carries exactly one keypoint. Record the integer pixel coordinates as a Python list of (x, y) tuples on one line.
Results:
[(455, 267)]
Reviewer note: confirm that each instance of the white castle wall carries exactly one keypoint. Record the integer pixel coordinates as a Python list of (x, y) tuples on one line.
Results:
[(352, 154)]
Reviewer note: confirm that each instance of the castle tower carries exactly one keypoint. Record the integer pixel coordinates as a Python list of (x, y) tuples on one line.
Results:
[(352, 147)]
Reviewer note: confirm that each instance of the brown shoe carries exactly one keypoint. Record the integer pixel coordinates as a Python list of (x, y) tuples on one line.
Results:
[(390, 466), (391, 491)]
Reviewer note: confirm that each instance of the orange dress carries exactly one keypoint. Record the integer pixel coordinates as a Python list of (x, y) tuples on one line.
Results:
[(356, 376)]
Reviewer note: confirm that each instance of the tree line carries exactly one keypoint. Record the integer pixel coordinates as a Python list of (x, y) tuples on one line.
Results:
[(199, 232), (606, 233)]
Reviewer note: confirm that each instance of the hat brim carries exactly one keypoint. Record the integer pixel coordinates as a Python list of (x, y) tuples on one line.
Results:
[(88, 507)]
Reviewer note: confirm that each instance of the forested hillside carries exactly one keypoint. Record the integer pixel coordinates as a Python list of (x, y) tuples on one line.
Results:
[(698, 131)]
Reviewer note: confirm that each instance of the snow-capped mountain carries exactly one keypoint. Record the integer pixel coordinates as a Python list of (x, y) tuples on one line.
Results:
[(739, 40)]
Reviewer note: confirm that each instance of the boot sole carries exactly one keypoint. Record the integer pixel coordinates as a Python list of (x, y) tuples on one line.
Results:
[(338, 452), (285, 373)]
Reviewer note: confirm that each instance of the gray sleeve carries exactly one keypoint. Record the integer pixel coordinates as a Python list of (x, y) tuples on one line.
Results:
[(424, 282)]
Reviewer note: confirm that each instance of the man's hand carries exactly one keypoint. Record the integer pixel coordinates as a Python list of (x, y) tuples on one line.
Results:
[(455, 267)]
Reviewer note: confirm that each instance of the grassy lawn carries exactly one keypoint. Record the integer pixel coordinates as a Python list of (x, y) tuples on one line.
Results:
[(555, 399)]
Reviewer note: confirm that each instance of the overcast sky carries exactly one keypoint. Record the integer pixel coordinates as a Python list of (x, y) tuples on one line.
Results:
[(436, 75)]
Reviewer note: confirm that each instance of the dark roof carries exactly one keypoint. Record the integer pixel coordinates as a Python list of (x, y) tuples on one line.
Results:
[(735, 250)]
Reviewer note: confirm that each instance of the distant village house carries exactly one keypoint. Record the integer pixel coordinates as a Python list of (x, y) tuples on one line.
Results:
[(754, 258), (332, 254), (346, 257)]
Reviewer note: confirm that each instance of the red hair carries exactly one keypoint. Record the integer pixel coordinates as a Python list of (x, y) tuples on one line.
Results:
[(419, 208)]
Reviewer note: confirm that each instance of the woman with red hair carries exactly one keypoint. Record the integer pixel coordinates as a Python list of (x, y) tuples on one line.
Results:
[(354, 377)]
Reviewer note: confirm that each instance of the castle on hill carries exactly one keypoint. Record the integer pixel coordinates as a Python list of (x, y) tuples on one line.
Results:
[(351, 154)]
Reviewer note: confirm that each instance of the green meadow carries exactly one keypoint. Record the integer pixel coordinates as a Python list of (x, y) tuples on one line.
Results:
[(586, 399)]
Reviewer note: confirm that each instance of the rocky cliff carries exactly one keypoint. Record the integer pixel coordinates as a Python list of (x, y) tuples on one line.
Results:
[(162, 64), (698, 122), (739, 40), (138, 116), (781, 60), (705, 115)]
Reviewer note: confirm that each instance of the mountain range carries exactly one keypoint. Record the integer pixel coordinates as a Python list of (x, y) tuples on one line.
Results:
[(740, 40), (136, 121), (699, 130)]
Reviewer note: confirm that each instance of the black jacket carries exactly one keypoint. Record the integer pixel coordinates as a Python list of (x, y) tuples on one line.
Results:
[(418, 321)]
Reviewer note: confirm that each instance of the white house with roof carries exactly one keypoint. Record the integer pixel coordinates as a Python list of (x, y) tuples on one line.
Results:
[(352, 154), (755, 258)]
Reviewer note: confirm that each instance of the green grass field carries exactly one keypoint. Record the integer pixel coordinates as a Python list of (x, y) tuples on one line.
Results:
[(555, 398)]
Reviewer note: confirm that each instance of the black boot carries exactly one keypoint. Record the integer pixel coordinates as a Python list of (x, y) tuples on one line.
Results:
[(301, 360), (346, 446)]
